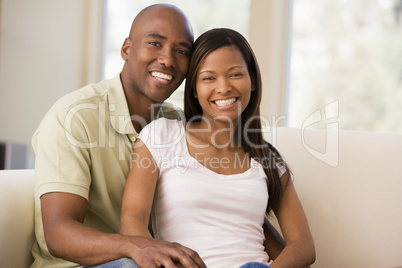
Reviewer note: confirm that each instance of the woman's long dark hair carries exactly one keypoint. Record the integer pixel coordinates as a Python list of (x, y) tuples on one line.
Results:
[(252, 142)]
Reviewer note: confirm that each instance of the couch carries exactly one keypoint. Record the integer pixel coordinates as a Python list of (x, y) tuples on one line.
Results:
[(17, 217), (350, 184)]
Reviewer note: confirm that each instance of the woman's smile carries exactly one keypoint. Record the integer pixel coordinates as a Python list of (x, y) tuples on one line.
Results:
[(225, 102)]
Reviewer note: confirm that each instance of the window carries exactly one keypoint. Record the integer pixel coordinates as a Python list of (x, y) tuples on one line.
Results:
[(203, 14), (347, 52)]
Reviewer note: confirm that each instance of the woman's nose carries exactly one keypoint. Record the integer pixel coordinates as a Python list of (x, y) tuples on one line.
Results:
[(223, 86)]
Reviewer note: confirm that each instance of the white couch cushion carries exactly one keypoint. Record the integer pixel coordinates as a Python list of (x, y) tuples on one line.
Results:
[(350, 184)]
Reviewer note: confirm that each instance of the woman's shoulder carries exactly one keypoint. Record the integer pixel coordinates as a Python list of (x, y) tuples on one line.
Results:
[(162, 132), (164, 124), (279, 160)]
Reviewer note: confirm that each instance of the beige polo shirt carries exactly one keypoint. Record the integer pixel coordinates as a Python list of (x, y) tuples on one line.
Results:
[(83, 146)]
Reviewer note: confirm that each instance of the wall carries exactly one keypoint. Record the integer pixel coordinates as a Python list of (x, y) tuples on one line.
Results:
[(269, 37), (47, 49)]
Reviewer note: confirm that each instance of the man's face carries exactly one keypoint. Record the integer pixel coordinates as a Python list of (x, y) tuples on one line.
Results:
[(157, 54)]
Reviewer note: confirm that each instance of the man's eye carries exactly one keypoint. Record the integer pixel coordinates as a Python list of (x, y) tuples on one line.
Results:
[(154, 44), (182, 52)]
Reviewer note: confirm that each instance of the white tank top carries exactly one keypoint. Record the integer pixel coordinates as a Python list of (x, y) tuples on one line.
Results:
[(219, 216)]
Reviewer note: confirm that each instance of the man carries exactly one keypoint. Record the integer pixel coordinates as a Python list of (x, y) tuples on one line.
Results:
[(83, 148)]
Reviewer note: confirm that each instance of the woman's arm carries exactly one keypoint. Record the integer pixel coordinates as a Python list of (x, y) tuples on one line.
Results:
[(136, 209), (139, 192), (274, 242), (299, 250)]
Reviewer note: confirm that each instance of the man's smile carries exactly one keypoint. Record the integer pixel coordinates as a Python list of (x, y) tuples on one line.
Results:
[(162, 76)]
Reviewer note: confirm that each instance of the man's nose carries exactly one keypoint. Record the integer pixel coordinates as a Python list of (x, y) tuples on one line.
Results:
[(166, 57)]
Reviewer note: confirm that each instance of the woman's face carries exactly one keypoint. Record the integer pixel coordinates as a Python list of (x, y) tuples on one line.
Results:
[(223, 85)]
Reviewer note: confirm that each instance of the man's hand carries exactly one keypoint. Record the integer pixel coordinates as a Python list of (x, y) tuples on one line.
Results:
[(153, 253)]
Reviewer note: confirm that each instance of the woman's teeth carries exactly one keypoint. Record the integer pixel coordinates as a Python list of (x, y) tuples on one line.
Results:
[(162, 75), (226, 102)]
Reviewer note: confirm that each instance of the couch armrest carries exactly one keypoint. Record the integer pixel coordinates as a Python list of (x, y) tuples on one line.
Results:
[(17, 217)]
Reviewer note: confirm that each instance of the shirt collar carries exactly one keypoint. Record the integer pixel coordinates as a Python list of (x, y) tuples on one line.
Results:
[(119, 112)]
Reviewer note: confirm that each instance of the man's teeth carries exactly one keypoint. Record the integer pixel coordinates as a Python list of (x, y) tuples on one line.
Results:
[(225, 102), (162, 75)]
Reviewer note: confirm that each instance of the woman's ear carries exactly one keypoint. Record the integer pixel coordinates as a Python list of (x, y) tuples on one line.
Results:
[(125, 49), (195, 94), (252, 83)]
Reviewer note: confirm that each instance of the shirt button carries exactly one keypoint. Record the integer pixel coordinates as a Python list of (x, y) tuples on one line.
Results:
[(133, 139)]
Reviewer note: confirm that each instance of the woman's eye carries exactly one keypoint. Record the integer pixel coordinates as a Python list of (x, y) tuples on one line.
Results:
[(208, 78), (236, 74)]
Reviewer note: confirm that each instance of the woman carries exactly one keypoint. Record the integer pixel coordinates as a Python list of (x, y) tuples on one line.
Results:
[(210, 182)]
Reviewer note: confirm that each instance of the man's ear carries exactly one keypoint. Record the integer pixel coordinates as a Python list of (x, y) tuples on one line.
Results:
[(125, 49)]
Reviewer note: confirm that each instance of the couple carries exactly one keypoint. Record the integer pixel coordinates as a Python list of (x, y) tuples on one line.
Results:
[(84, 146)]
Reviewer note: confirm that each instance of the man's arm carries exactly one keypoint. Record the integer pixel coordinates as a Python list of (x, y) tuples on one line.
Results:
[(68, 238)]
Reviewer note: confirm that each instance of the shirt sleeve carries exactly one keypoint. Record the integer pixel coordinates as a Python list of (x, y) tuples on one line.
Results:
[(62, 162)]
